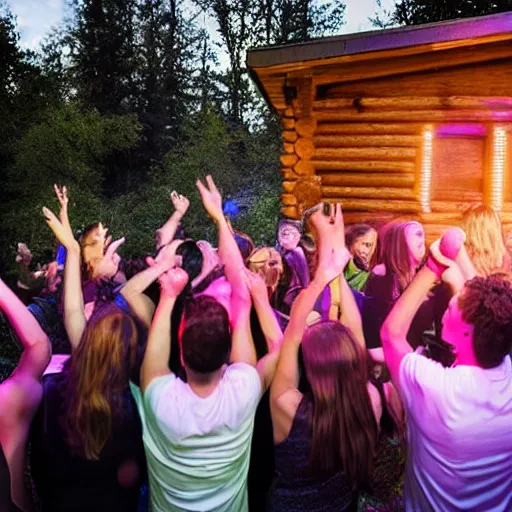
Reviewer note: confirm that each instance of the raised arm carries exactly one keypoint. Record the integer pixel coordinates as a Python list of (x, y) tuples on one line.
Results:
[(229, 253), (396, 326), (269, 325), (74, 313), (165, 234), (158, 348), (24, 386)]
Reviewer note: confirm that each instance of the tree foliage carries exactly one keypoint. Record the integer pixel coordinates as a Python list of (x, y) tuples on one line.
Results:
[(415, 12)]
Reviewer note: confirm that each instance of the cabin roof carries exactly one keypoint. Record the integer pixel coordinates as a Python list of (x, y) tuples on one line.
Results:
[(271, 65)]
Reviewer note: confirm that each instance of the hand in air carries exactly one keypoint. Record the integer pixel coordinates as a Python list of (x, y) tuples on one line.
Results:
[(173, 282), (24, 255), (256, 285), (166, 258), (180, 203), (212, 200), (60, 226), (331, 264), (329, 227)]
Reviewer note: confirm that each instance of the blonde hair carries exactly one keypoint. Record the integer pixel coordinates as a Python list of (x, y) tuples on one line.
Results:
[(484, 239), (267, 262)]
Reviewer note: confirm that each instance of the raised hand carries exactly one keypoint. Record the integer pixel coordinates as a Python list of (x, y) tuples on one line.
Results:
[(212, 200), (24, 255), (166, 258), (256, 285), (332, 262), (60, 226), (173, 282), (180, 203)]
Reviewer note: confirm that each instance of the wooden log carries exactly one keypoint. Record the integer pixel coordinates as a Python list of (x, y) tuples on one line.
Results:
[(288, 147), (383, 153), (367, 140), (416, 103), (369, 192), (305, 149), (304, 168), (288, 186), (506, 216), (447, 218), (288, 200), (290, 212), (373, 218), (363, 166), (370, 128), (288, 174), (289, 160), (288, 123), (377, 205), (369, 180), (290, 136), (306, 127), (449, 206), (470, 115), (289, 113)]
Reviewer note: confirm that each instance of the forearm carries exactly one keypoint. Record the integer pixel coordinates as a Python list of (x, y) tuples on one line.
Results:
[(398, 322), (158, 348), (465, 264), (22, 321), (269, 324), (74, 313), (242, 346), (166, 233)]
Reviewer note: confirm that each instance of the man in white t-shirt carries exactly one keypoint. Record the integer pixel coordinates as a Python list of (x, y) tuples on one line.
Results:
[(197, 435), (459, 418)]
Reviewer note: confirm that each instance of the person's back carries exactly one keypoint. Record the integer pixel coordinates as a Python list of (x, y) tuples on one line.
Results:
[(198, 448), (460, 436), (297, 487), (67, 481)]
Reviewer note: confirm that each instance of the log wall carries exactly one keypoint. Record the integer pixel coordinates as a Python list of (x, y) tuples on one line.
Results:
[(360, 142)]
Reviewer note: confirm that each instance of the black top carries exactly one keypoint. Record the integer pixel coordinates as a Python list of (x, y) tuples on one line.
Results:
[(66, 482), (297, 489), (6, 503), (380, 297)]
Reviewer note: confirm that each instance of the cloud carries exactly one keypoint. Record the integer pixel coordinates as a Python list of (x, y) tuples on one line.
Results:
[(35, 18)]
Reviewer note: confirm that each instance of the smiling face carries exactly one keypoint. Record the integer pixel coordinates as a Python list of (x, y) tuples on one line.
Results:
[(364, 246), (288, 236), (415, 238)]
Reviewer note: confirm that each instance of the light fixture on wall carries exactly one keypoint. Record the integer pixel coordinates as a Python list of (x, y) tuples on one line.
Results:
[(499, 146), (426, 170)]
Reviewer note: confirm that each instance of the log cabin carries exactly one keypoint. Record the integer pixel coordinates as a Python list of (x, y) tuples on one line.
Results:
[(413, 121)]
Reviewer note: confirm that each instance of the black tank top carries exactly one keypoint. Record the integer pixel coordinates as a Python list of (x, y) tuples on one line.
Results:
[(6, 503), (66, 482)]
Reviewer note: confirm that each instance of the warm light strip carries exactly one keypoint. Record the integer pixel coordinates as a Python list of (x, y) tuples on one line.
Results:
[(498, 167), (426, 170)]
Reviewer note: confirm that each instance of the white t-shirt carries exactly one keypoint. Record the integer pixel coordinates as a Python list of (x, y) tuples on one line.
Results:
[(198, 449), (460, 436)]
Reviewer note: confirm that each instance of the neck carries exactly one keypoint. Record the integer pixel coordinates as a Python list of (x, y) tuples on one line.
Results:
[(203, 385), (466, 359)]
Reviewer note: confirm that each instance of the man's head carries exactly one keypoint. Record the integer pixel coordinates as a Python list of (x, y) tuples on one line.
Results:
[(288, 234), (205, 335), (478, 321)]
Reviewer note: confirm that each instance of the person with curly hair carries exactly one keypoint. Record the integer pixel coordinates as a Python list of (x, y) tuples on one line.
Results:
[(459, 418)]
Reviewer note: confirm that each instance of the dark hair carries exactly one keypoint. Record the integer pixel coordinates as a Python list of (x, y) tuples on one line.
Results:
[(245, 243), (131, 267), (486, 304), (192, 259), (356, 231), (206, 337)]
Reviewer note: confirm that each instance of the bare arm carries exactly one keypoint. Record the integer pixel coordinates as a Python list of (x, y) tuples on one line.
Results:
[(166, 233), (158, 348), (36, 351), (74, 313)]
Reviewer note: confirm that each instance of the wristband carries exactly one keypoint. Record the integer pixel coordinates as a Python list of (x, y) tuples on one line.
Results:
[(436, 267)]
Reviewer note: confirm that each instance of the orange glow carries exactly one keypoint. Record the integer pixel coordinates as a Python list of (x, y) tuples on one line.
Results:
[(498, 167), (426, 170)]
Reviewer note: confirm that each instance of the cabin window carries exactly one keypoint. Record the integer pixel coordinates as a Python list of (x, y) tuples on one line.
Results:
[(458, 163)]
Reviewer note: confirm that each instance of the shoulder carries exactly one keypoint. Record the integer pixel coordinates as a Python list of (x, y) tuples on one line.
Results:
[(160, 387), (244, 380)]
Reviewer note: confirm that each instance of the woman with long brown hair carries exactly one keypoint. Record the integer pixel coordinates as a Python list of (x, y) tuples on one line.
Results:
[(401, 255), (87, 451), (326, 439)]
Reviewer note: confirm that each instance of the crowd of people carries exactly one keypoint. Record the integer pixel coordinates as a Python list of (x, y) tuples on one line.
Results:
[(346, 368)]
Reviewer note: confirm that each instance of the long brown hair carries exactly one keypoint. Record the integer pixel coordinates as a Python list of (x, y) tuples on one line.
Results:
[(395, 255), (97, 376), (343, 426)]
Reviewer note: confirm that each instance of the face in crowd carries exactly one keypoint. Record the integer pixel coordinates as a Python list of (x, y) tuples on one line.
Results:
[(415, 239), (288, 236)]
